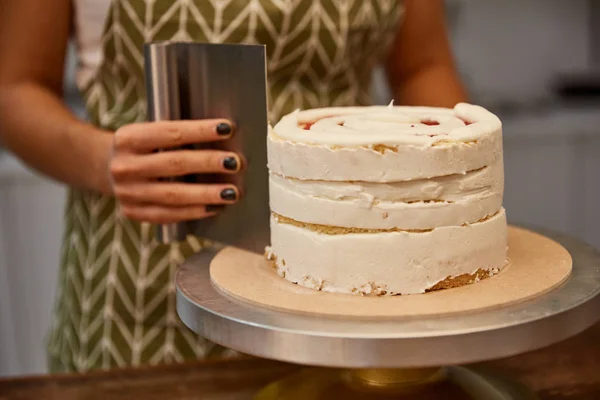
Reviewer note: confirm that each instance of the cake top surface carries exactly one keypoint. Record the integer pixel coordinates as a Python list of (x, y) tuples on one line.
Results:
[(387, 125)]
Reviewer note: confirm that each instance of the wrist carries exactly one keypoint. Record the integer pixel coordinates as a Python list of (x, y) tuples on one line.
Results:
[(100, 177)]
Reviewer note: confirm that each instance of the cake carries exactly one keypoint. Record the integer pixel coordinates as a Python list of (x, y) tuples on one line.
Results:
[(387, 200)]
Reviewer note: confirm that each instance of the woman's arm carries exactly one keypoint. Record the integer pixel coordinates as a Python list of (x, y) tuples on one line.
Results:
[(38, 128), (421, 67), (34, 122)]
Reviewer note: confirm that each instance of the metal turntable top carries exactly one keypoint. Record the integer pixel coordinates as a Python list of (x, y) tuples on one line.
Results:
[(394, 343)]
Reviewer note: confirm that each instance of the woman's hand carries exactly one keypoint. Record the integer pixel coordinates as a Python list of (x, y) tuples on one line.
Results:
[(137, 170)]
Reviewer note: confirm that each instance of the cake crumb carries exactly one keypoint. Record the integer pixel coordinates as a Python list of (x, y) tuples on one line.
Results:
[(269, 255), (372, 289), (464, 279), (312, 283)]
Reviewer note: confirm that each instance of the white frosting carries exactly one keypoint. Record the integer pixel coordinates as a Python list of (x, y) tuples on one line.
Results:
[(420, 180), (397, 262), (360, 126), (395, 162), (419, 204)]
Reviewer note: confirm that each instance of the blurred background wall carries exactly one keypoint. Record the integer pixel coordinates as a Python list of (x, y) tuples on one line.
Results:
[(511, 53)]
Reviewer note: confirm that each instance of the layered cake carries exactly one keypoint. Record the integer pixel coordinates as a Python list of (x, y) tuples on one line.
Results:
[(387, 200)]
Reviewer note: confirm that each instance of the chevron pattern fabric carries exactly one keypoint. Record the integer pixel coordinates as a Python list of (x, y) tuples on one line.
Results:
[(116, 303)]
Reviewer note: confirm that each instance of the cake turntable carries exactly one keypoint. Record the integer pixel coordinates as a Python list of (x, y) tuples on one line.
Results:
[(401, 356)]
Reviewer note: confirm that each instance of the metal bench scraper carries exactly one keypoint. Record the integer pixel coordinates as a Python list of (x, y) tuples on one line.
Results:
[(202, 80)]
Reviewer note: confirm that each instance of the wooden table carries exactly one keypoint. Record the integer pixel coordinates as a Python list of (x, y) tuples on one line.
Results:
[(568, 370)]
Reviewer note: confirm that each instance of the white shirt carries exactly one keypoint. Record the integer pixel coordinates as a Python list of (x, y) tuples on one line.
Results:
[(90, 18)]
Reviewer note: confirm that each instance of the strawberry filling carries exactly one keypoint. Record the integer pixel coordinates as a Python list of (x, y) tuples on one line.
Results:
[(429, 122)]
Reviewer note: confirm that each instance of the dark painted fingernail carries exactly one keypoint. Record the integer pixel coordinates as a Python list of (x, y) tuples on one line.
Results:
[(214, 208), (228, 194), (230, 163), (223, 129)]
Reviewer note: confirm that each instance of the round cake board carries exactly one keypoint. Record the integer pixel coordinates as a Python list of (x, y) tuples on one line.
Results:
[(537, 265)]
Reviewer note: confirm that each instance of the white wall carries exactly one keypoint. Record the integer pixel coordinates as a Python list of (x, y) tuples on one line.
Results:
[(31, 227), (510, 50), (552, 171), (9, 358)]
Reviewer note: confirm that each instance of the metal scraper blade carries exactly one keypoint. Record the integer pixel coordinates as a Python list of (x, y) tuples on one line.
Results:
[(201, 80)]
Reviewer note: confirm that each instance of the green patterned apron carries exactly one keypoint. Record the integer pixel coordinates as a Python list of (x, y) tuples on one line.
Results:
[(116, 304)]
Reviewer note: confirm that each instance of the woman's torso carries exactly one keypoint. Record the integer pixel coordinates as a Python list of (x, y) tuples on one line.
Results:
[(116, 302)]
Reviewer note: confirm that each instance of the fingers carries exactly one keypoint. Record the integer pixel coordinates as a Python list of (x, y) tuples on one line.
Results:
[(171, 194), (175, 163), (157, 214), (165, 202), (135, 166), (149, 136)]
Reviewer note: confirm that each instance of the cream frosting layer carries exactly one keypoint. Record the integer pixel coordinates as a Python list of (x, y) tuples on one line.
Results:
[(392, 126), (387, 262), (419, 204), (404, 163), (383, 144)]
